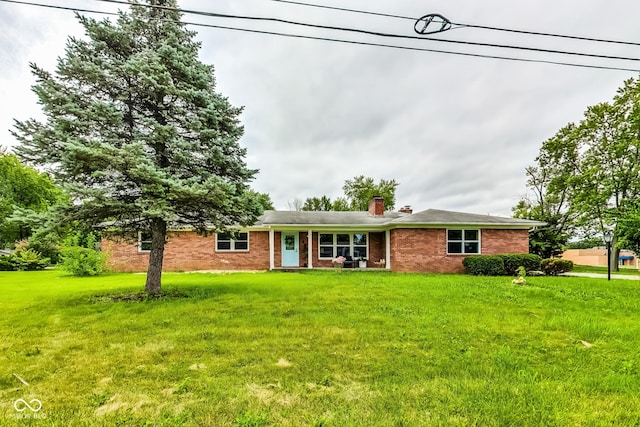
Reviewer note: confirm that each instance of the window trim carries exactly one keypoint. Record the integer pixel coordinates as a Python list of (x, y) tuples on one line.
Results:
[(232, 243), (140, 242), (463, 241), (335, 244)]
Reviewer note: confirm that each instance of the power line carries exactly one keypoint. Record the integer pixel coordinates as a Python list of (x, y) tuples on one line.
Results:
[(345, 41), (475, 55), (72, 9), (462, 25), (377, 33)]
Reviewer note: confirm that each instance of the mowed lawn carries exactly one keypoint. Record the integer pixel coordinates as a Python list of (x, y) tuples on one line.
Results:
[(319, 349)]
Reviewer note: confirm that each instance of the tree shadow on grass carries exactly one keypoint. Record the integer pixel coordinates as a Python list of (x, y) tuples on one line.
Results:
[(173, 292)]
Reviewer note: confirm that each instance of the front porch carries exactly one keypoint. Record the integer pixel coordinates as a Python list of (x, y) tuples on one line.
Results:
[(316, 248)]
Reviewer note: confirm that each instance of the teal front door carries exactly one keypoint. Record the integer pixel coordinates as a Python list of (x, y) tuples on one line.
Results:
[(290, 256)]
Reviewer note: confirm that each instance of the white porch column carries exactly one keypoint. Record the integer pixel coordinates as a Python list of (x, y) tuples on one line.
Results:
[(310, 248), (387, 241), (272, 259)]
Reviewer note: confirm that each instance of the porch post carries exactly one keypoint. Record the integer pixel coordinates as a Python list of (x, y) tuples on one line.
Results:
[(310, 248), (387, 241), (272, 262)]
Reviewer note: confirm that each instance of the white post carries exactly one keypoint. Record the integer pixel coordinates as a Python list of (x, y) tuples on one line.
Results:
[(310, 248), (272, 259), (387, 238)]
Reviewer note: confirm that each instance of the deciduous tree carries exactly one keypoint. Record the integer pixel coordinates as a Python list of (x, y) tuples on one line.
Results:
[(360, 190), (594, 167), (22, 187)]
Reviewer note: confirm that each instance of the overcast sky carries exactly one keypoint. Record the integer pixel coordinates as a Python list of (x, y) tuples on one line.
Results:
[(455, 131)]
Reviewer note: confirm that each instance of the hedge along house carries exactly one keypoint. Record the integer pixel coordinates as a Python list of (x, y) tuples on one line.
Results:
[(430, 241)]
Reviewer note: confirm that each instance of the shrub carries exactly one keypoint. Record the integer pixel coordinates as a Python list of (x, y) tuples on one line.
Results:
[(6, 264), (83, 261), (512, 262), (555, 266), (28, 260), (484, 265)]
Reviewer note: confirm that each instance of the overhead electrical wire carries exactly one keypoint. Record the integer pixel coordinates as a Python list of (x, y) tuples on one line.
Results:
[(376, 33), (462, 25), (411, 48)]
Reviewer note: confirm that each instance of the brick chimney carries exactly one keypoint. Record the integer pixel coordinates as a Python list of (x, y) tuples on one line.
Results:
[(376, 206), (406, 209)]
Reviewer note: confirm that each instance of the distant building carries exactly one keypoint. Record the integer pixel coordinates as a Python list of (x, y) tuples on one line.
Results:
[(598, 257)]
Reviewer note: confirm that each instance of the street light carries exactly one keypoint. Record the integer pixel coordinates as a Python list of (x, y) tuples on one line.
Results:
[(608, 237)]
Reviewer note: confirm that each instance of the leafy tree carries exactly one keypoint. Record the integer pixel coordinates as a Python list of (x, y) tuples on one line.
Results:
[(323, 203), (629, 226), (341, 204), (548, 198), (360, 190), (594, 167), (587, 243), (22, 188), (136, 131)]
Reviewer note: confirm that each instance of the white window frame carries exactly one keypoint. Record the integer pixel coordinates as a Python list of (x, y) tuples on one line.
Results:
[(463, 241), (232, 243), (335, 243), (140, 242)]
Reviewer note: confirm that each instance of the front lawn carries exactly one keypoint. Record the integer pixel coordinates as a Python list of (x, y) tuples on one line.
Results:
[(318, 349)]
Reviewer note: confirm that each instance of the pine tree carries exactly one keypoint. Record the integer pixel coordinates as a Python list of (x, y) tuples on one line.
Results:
[(136, 132)]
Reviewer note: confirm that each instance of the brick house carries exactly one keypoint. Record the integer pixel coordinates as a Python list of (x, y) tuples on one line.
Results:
[(430, 241)]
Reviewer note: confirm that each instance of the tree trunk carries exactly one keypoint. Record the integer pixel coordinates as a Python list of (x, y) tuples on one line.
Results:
[(154, 271), (613, 261)]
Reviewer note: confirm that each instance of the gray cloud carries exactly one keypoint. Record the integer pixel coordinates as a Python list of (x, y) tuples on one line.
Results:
[(456, 132)]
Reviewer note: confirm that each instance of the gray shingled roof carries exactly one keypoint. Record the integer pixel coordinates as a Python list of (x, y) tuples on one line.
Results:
[(435, 216), (427, 217), (325, 218)]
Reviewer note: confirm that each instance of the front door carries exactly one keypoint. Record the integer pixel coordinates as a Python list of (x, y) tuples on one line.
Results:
[(290, 256)]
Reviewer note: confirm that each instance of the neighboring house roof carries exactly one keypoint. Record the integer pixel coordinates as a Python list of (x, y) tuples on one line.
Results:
[(354, 219)]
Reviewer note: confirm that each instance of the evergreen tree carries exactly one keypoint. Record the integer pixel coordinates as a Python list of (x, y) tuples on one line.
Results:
[(137, 134)]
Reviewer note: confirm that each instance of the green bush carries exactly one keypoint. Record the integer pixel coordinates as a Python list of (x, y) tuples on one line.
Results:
[(512, 262), (28, 260), (484, 265), (6, 264), (555, 266), (83, 261)]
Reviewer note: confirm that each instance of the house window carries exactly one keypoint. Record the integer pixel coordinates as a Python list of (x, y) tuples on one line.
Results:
[(144, 241), (463, 241), (332, 245), (226, 243), (326, 246)]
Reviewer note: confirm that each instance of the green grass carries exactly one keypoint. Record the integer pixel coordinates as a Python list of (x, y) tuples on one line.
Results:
[(632, 271), (320, 349)]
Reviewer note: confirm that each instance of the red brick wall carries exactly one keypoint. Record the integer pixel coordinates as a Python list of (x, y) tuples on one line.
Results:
[(187, 251), (412, 250), (505, 242), (425, 250), (377, 249)]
